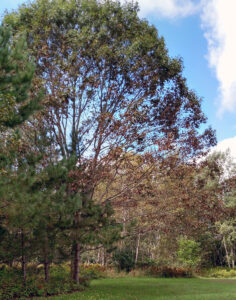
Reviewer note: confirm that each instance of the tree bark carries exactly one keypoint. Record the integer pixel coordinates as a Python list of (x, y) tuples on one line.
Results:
[(46, 270), (105, 256), (98, 258), (72, 262), (137, 249), (232, 257), (46, 267), (76, 262), (23, 260), (76, 251), (46, 261), (226, 252), (10, 263)]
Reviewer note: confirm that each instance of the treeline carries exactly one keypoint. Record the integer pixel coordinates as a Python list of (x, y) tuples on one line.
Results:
[(99, 137), (183, 216)]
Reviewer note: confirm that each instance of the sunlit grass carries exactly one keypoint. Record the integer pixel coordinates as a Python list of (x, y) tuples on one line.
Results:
[(156, 288)]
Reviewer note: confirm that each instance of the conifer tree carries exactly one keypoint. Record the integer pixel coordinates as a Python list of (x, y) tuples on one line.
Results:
[(17, 69)]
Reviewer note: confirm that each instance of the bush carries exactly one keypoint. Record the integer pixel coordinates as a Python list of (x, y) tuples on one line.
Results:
[(93, 271), (11, 285), (146, 263), (220, 273), (189, 252), (169, 272), (124, 259)]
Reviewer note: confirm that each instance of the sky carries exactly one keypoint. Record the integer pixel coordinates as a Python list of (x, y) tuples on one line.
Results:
[(202, 33)]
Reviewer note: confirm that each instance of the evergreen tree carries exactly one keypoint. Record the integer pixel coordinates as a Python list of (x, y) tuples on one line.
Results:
[(17, 101)]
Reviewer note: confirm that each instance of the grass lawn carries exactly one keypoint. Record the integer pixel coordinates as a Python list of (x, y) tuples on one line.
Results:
[(156, 288)]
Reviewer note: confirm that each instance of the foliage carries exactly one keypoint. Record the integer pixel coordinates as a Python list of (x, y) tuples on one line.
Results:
[(212, 251), (168, 272), (227, 230), (146, 263), (189, 252), (17, 101), (124, 258), (93, 271), (108, 44), (118, 130), (11, 285), (222, 172), (220, 272)]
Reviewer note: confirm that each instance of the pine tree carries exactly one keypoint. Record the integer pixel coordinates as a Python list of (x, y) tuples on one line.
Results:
[(17, 101)]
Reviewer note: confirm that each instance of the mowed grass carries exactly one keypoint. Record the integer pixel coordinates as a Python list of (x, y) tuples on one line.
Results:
[(155, 288)]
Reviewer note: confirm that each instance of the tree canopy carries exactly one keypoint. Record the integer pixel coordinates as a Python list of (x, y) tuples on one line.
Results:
[(109, 79), (118, 126)]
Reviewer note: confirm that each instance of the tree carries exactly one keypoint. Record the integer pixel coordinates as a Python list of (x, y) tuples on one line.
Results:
[(227, 230), (217, 178), (111, 88), (16, 76), (189, 252), (226, 227), (17, 103)]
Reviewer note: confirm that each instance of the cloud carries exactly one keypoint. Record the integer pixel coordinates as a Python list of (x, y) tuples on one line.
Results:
[(167, 8), (219, 22), (227, 144), (170, 9)]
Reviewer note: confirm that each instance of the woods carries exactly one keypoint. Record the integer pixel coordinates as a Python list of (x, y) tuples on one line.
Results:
[(102, 146)]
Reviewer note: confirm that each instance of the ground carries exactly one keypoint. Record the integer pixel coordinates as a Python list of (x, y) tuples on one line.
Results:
[(156, 288)]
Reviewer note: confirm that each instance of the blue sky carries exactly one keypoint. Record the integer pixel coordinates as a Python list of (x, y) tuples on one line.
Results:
[(202, 33)]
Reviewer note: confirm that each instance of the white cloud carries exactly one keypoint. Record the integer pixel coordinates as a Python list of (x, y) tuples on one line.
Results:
[(227, 144), (167, 8), (219, 23)]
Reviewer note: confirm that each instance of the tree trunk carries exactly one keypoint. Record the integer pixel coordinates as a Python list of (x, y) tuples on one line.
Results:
[(46, 271), (46, 267), (137, 249), (72, 263), (23, 260), (226, 253), (232, 257), (46, 261), (102, 259), (105, 256), (76, 251), (10, 263), (98, 258), (76, 262)]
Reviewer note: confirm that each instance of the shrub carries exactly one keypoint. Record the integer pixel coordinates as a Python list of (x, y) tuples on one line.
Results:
[(11, 285), (146, 263), (189, 252), (169, 272), (220, 273), (124, 259), (93, 271)]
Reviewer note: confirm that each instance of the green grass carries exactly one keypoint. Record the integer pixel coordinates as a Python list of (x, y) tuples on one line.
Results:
[(156, 288)]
